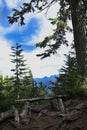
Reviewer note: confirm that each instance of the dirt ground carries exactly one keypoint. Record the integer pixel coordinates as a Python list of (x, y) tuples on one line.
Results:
[(74, 118)]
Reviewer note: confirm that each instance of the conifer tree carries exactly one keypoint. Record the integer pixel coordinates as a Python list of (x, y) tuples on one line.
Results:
[(19, 69), (28, 86), (69, 79)]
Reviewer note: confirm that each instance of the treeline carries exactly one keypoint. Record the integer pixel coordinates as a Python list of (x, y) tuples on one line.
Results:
[(23, 85), (28, 89)]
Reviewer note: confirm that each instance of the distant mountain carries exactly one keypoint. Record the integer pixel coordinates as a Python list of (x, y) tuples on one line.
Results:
[(46, 80)]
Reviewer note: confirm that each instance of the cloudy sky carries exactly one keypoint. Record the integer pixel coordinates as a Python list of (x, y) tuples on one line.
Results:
[(36, 28)]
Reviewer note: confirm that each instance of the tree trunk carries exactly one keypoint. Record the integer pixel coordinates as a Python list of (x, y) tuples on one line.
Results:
[(79, 31)]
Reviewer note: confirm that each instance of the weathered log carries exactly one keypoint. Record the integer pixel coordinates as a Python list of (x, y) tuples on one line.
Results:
[(14, 112), (40, 98), (58, 97)]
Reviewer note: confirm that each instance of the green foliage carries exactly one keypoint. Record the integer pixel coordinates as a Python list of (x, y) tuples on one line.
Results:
[(6, 97), (1, 87), (42, 90), (69, 81), (28, 88), (24, 86), (20, 69)]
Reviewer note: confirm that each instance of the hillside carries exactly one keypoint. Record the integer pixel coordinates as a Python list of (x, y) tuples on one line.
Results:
[(49, 118)]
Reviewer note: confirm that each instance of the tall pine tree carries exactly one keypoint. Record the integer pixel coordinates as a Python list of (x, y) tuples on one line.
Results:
[(20, 67)]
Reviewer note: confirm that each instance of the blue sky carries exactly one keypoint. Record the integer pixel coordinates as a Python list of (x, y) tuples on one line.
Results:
[(36, 28)]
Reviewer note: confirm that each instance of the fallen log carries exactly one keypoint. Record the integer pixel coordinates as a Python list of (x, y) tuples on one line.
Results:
[(40, 98), (58, 97), (15, 113)]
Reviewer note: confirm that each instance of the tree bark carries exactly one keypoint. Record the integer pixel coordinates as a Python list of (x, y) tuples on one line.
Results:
[(79, 31)]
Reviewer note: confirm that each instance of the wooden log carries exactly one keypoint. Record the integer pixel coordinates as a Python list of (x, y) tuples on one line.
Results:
[(40, 98), (58, 97)]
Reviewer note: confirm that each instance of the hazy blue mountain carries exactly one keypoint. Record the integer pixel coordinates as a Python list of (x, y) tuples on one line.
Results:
[(46, 80)]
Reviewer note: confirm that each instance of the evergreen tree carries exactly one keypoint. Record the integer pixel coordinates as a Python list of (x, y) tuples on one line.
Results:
[(20, 69), (43, 89), (70, 78), (28, 86), (70, 74)]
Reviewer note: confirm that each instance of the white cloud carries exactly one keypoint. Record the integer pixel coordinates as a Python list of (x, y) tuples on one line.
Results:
[(47, 66), (5, 58), (46, 28), (40, 68), (13, 3)]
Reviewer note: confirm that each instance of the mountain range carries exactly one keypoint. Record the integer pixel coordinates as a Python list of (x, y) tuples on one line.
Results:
[(46, 80)]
